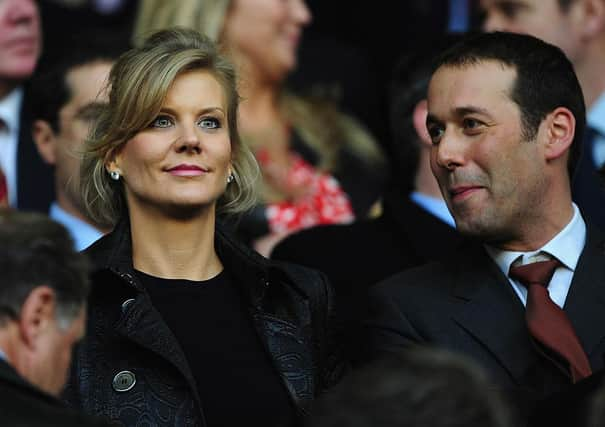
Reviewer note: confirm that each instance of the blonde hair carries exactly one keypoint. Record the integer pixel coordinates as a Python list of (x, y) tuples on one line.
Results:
[(138, 84), (205, 16)]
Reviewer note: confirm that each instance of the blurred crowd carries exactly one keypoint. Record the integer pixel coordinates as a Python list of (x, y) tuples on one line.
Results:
[(302, 212)]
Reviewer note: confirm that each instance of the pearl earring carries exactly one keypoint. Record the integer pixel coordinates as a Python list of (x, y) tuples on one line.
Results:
[(230, 178), (115, 175)]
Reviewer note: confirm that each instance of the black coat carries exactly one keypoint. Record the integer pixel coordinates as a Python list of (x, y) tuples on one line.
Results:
[(290, 307), (23, 405)]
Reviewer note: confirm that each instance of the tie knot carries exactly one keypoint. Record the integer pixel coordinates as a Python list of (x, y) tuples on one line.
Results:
[(538, 273)]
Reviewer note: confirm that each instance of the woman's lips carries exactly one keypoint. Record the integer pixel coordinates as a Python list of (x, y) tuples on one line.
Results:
[(187, 170)]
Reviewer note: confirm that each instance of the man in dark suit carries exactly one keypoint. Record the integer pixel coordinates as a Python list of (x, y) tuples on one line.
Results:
[(29, 179), (414, 215), (506, 117), (42, 315)]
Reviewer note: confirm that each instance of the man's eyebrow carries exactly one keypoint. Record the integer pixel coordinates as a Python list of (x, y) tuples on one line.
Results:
[(431, 119), (462, 111)]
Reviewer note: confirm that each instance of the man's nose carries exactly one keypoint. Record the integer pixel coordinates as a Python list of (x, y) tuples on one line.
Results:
[(450, 152)]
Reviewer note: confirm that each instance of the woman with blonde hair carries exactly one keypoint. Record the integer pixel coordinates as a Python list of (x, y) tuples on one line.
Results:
[(319, 166), (186, 326)]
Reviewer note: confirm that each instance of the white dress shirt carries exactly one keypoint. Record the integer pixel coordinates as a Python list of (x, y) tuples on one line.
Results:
[(435, 206), (82, 233), (10, 107), (565, 246)]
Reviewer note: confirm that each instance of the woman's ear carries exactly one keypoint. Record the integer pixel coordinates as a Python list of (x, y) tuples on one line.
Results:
[(560, 132), (112, 160)]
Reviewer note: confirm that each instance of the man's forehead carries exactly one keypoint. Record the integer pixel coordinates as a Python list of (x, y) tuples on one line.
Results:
[(457, 87)]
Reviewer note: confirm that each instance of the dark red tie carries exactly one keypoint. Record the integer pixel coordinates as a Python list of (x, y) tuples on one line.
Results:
[(547, 323), (3, 190)]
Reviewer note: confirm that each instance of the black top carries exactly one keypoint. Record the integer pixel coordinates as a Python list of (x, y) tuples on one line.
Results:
[(235, 380)]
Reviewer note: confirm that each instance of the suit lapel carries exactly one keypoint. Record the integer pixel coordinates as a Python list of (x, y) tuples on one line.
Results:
[(585, 303), (493, 314)]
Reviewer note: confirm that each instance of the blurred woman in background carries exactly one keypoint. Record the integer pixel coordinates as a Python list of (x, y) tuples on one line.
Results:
[(319, 166)]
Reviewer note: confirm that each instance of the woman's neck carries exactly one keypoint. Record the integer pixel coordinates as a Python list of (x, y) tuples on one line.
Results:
[(174, 248)]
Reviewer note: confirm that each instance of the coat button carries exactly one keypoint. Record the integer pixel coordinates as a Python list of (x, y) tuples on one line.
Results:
[(124, 381), (126, 303)]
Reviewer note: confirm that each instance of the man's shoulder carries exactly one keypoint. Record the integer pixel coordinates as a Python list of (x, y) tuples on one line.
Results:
[(22, 404), (430, 278)]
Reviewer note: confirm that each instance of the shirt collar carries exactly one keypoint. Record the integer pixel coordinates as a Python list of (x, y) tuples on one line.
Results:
[(596, 115), (81, 232), (433, 205), (566, 246), (10, 107)]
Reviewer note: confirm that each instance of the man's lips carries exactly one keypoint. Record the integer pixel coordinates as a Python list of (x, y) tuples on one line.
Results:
[(187, 170), (463, 191)]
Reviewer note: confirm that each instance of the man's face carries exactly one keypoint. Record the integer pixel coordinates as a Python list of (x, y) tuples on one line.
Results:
[(20, 39), (540, 18), (489, 175), (55, 353), (86, 84)]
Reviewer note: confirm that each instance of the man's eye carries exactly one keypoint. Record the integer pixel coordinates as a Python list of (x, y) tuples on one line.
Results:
[(209, 123), (435, 132), (161, 122), (471, 123), (509, 9)]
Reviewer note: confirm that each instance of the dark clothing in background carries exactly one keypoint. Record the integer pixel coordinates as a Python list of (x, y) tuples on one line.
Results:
[(467, 305), (358, 255), (35, 179), (23, 405), (289, 308), (228, 363)]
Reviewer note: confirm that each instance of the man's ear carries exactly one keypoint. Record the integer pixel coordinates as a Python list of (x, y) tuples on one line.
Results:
[(46, 141), (419, 119), (560, 132), (37, 313)]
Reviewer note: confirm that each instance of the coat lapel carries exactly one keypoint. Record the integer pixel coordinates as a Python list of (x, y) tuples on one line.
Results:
[(493, 314), (585, 303)]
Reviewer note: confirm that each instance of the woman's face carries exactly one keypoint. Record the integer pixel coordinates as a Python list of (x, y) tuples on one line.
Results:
[(182, 160), (266, 33)]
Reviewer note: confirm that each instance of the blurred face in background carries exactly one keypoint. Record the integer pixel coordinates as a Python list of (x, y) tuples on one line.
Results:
[(86, 85), (20, 39), (544, 19), (264, 35)]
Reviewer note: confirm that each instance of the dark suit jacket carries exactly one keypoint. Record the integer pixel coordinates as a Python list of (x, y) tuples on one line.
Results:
[(35, 179), (359, 255), (23, 405), (467, 305)]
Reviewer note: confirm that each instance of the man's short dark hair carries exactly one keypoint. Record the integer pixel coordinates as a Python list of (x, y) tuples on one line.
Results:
[(545, 78), (49, 86), (36, 251), (418, 388)]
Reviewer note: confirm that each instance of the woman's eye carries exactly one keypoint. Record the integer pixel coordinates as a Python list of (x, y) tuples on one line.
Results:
[(209, 123), (161, 122)]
